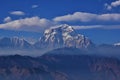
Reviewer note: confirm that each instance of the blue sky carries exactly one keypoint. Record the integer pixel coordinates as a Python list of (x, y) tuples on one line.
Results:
[(50, 9), (98, 19)]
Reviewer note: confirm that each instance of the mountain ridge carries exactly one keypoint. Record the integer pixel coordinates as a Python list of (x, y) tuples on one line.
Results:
[(14, 42), (59, 67), (55, 37)]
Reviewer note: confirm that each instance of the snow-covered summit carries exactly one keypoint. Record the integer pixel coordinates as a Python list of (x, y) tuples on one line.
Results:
[(117, 44), (13, 42), (63, 36)]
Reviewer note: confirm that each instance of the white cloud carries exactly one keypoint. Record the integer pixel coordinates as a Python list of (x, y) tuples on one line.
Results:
[(37, 24), (88, 17), (87, 27), (77, 16), (113, 4), (116, 3), (108, 7), (109, 17), (28, 24), (19, 13), (35, 6), (7, 19), (98, 27)]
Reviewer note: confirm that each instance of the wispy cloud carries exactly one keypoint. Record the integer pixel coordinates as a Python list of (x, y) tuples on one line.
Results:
[(28, 24), (98, 27), (107, 6), (112, 5), (19, 13), (35, 6), (88, 17), (7, 19), (77, 16), (87, 27)]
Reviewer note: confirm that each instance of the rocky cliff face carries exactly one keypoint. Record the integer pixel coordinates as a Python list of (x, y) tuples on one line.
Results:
[(63, 36)]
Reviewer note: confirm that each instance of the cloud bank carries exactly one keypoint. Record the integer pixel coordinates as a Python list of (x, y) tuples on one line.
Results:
[(28, 24), (37, 24), (88, 17)]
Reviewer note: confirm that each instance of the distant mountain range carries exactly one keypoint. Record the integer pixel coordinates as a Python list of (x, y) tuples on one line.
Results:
[(14, 42), (56, 66), (59, 36), (29, 36)]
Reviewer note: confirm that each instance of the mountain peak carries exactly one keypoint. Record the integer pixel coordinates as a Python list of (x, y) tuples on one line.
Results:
[(63, 36), (13, 42), (117, 44)]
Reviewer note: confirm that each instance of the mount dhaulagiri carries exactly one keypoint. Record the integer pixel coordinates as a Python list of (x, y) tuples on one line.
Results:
[(63, 36)]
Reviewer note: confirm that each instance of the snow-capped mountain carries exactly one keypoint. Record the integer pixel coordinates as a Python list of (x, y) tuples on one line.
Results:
[(116, 44), (14, 42), (63, 36)]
